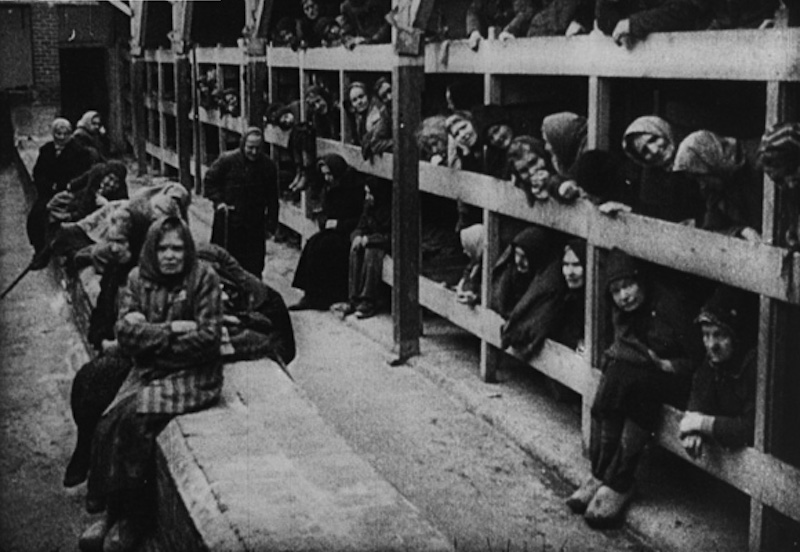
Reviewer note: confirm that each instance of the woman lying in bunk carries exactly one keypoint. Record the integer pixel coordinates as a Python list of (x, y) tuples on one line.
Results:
[(69, 211), (322, 270), (370, 242), (529, 289), (170, 323), (722, 403), (779, 156), (729, 181), (648, 364)]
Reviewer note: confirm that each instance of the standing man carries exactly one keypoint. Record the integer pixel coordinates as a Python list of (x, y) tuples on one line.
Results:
[(243, 185)]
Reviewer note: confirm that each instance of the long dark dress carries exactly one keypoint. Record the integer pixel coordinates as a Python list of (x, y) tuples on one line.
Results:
[(322, 271)]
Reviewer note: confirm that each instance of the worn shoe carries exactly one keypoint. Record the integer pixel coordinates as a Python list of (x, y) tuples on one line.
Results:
[(579, 500), (607, 509), (365, 309), (91, 540), (343, 309), (77, 469), (124, 536)]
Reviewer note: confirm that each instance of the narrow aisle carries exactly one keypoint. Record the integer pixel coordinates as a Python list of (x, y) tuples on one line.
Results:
[(40, 349)]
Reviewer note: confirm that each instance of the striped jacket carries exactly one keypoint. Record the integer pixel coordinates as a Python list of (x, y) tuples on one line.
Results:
[(174, 373)]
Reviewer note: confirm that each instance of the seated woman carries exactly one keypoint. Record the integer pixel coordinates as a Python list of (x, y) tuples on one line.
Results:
[(728, 179), (89, 136), (170, 323), (96, 383), (70, 210), (312, 11), (509, 17), (779, 156), (323, 266), (722, 403), (568, 327), (365, 21), (651, 143), (565, 136), (254, 315), (648, 363), (528, 289), (357, 104), (371, 240), (630, 21)]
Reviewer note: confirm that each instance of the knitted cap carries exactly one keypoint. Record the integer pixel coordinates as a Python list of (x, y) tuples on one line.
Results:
[(725, 308), (620, 265)]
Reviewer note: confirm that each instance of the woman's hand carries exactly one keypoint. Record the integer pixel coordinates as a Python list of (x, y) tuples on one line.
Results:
[(663, 364), (622, 33)]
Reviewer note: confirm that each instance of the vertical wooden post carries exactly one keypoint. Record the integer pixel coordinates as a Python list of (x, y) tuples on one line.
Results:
[(408, 78), (139, 126), (197, 127), (162, 123), (490, 356), (774, 341), (183, 106), (255, 82), (347, 131), (599, 117)]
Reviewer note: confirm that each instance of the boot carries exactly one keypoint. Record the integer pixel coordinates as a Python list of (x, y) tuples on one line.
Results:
[(579, 500), (124, 536), (607, 509), (91, 540), (78, 466)]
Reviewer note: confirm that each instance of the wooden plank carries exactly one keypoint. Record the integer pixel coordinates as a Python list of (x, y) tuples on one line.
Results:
[(282, 57), (372, 57), (407, 79), (292, 215), (215, 55), (139, 126), (184, 90), (718, 55), (182, 15), (490, 355), (164, 155), (262, 17)]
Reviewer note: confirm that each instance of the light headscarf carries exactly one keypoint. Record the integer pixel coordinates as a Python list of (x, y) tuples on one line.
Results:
[(649, 124), (706, 153), (86, 119)]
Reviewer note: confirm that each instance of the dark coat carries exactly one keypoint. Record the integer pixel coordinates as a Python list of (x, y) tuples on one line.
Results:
[(251, 189), (53, 171), (652, 16), (556, 16), (366, 18), (728, 394), (376, 218), (512, 16)]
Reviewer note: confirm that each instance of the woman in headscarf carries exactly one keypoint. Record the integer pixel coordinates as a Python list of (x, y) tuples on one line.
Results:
[(89, 134), (568, 326), (648, 363), (497, 131), (378, 138), (322, 270), (651, 143), (728, 180), (528, 288), (564, 136), (779, 156), (170, 321), (59, 161)]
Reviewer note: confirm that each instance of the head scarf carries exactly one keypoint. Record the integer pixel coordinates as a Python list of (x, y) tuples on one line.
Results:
[(566, 133), (649, 124), (335, 163), (779, 152), (148, 260), (489, 116), (60, 122), (620, 265), (539, 245), (577, 246), (86, 120), (251, 131), (322, 92), (706, 153)]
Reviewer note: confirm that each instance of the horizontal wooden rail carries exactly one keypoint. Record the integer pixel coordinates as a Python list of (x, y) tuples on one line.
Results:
[(220, 55), (760, 268), (168, 107), (166, 155), (161, 55), (292, 216), (373, 57), (213, 117)]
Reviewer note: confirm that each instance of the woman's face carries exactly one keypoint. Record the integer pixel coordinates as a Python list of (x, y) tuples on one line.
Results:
[(531, 171), (500, 136), (464, 133), (521, 260), (109, 185), (654, 151), (60, 135), (311, 9), (359, 100), (119, 247), (385, 93), (95, 124), (718, 342), (326, 173), (316, 104), (627, 294), (170, 253), (572, 269)]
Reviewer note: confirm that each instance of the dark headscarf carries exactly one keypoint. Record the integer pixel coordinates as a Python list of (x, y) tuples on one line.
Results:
[(148, 260), (251, 131), (601, 175), (620, 265), (538, 245), (336, 163), (85, 199), (577, 246), (566, 133)]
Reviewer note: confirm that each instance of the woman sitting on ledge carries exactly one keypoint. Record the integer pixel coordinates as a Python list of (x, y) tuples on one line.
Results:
[(170, 323)]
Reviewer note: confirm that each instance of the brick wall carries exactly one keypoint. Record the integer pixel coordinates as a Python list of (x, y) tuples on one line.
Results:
[(46, 76)]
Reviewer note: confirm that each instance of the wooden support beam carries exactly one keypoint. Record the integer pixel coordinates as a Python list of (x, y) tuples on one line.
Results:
[(261, 18), (138, 22), (139, 123), (408, 80), (184, 90), (181, 34), (409, 19)]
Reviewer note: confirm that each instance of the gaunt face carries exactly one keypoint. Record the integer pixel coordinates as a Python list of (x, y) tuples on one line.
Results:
[(316, 104), (359, 100), (718, 342), (286, 121), (655, 151), (311, 9), (170, 253), (109, 185), (531, 172), (385, 93), (463, 132), (572, 269), (500, 136), (119, 246), (521, 260), (326, 173), (61, 134), (627, 294), (252, 145)]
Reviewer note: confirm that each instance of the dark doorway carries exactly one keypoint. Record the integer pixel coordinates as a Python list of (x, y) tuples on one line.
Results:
[(84, 82)]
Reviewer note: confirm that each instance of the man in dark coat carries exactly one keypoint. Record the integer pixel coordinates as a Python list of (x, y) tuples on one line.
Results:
[(243, 185)]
